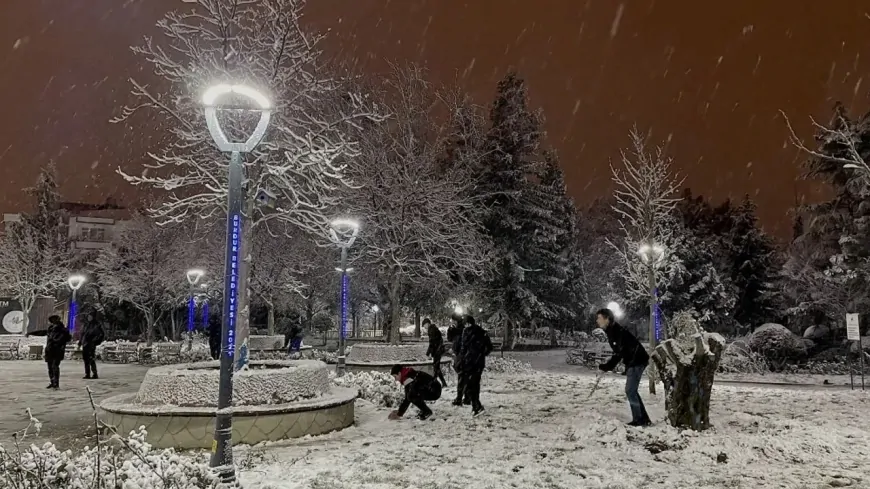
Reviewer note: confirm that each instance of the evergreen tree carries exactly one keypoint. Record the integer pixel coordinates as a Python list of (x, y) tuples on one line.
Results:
[(755, 268), (504, 190)]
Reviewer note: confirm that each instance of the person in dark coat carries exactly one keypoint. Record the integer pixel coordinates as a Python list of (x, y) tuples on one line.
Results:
[(56, 340), (436, 349), (454, 336), (294, 339), (419, 388), (476, 346), (215, 329), (626, 349), (92, 335)]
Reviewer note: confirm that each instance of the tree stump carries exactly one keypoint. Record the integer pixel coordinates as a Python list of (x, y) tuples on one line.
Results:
[(687, 371)]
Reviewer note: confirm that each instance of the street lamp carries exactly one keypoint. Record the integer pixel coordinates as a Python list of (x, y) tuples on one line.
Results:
[(616, 309), (375, 309), (193, 277), (75, 282), (652, 255), (343, 233), (222, 453)]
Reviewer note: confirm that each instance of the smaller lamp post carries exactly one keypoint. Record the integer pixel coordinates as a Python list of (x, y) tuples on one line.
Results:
[(375, 309), (343, 233), (75, 282), (652, 255), (193, 277)]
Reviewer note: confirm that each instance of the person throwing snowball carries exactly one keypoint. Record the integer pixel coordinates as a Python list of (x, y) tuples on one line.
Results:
[(628, 350)]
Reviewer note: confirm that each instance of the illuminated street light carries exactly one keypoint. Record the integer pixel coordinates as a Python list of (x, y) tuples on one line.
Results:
[(193, 277), (653, 254), (75, 282), (222, 453), (343, 233)]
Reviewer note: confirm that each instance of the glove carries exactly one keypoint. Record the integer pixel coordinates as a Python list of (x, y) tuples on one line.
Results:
[(603, 368)]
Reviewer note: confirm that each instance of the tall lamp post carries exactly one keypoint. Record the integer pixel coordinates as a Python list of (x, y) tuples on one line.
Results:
[(193, 277), (652, 255), (222, 452), (75, 282), (343, 233)]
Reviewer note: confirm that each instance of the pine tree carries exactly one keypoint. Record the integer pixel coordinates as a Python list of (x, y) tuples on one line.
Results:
[(504, 190), (755, 268)]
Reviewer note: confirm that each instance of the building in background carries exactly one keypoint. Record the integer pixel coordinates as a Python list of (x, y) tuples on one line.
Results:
[(88, 226)]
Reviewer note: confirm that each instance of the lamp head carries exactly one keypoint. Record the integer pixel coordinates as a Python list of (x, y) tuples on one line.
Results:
[(651, 253), (375, 308), (193, 275), (616, 309), (75, 282), (343, 232), (210, 99)]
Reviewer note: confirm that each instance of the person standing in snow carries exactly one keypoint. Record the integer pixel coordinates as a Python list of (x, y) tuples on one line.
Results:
[(454, 336), (476, 346), (419, 388), (56, 340), (626, 349), (214, 336), (436, 349), (92, 335), (294, 339)]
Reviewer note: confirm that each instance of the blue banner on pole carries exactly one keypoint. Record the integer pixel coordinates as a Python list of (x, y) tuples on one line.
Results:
[(191, 314), (71, 322), (345, 287), (234, 282)]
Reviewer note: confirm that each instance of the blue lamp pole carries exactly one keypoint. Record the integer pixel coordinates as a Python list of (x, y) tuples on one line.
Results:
[(193, 277), (222, 451), (75, 282), (652, 255), (343, 233)]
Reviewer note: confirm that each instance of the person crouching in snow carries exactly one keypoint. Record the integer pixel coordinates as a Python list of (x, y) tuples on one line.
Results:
[(628, 350), (419, 388)]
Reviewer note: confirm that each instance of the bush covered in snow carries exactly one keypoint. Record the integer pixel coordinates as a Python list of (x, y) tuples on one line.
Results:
[(500, 365), (776, 344), (115, 463), (378, 388), (738, 358)]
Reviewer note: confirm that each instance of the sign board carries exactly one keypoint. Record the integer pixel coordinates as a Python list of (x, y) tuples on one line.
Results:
[(853, 331)]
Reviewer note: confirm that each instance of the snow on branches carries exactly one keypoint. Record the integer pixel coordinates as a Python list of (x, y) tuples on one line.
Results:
[(418, 221), (645, 189), (260, 43)]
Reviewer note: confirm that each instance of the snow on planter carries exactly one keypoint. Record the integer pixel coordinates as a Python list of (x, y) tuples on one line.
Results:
[(264, 382), (388, 354)]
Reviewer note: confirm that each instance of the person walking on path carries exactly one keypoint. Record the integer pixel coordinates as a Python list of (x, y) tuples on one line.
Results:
[(92, 335), (628, 350), (476, 346), (454, 336), (56, 340), (294, 339), (436, 349), (419, 388)]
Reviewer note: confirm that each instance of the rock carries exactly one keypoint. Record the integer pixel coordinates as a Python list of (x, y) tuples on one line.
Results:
[(722, 458)]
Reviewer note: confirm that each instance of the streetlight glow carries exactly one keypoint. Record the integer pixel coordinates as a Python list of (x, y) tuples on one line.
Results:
[(459, 310), (210, 98), (212, 94), (651, 253), (75, 282), (193, 276), (616, 309)]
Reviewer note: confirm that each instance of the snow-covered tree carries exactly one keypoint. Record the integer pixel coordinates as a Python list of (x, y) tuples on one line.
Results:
[(646, 187), (510, 161), (828, 270), (264, 44), (144, 268), (35, 257), (276, 270), (415, 218)]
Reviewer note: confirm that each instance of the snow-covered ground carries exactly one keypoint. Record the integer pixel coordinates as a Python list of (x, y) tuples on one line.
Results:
[(545, 430)]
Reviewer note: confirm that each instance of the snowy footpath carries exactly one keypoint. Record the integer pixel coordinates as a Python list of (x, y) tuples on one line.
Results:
[(544, 430)]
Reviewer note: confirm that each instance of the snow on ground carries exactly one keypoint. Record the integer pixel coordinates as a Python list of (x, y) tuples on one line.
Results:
[(545, 430)]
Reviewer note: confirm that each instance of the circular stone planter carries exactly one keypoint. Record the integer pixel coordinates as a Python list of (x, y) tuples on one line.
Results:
[(382, 357), (273, 400)]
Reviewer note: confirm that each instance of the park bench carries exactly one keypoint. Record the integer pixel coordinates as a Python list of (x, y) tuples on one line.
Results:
[(121, 352), (167, 352), (73, 352), (9, 347)]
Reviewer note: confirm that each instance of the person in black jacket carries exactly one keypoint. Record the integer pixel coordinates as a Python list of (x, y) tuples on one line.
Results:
[(294, 339), (215, 329), (92, 335), (476, 346), (628, 350), (419, 388), (56, 340), (454, 336), (436, 349)]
